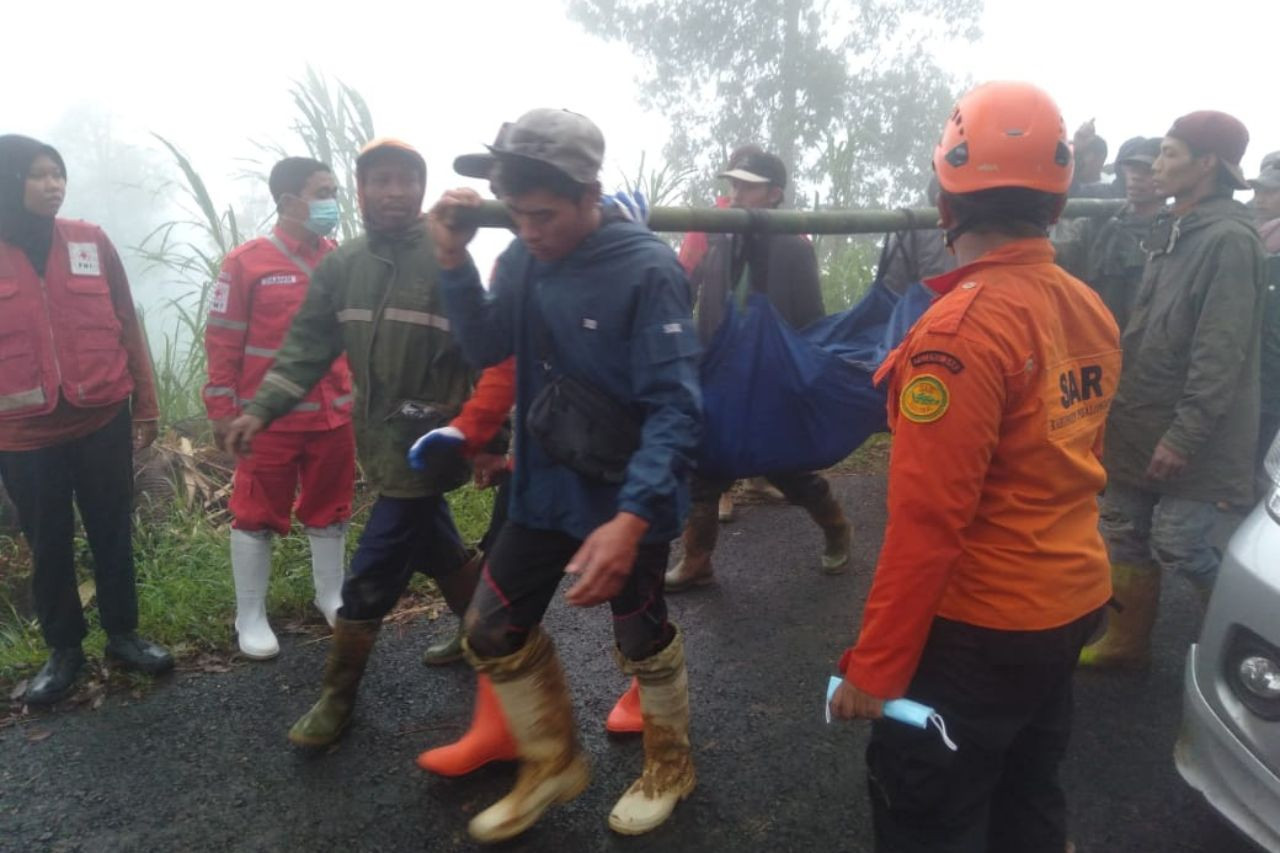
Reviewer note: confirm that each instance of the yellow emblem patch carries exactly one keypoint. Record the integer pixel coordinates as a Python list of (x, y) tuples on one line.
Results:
[(925, 399)]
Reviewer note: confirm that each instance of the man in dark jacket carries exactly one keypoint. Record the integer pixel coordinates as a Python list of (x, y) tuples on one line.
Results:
[(785, 269), (1107, 254), (1266, 209), (596, 311), (1182, 432), (909, 257)]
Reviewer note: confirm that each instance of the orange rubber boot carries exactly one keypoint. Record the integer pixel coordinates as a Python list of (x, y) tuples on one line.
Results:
[(626, 718), (487, 740)]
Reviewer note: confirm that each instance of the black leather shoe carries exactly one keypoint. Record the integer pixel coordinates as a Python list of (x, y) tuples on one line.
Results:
[(56, 678), (132, 652)]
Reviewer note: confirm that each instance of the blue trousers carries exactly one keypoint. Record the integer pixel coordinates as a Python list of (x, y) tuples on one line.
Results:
[(402, 535), (1142, 527)]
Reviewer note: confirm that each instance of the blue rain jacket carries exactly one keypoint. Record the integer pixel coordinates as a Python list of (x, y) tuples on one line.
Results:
[(617, 316)]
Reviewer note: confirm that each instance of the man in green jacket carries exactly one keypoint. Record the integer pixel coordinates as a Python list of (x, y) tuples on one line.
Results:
[(377, 299), (1266, 211), (1182, 431)]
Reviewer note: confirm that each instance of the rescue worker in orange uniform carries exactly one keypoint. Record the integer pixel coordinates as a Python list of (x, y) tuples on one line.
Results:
[(309, 452), (993, 573)]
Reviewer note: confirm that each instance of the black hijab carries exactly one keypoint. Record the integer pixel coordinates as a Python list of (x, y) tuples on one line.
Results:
[(18, 226)]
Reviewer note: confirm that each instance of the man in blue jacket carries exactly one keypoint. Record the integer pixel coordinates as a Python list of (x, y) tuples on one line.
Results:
[(596, 311)]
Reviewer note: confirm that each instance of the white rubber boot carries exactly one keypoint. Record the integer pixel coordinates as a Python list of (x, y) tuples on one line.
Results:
[(328, 558), (251, 570)]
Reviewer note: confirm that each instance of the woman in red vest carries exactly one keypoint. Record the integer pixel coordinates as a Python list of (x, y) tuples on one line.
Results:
[(76, 398)]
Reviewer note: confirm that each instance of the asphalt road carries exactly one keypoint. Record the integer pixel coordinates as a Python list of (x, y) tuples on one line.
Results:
[(201, 762)]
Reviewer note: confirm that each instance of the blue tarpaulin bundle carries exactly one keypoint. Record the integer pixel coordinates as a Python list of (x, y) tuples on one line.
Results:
[(777, 400)]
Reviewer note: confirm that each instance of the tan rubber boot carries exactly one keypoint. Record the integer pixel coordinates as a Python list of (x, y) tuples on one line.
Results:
[(668, 761), (725, 508), (1127, 642), (837, 534), (759, 488), (699, 541), (531, 688), (348, 656)]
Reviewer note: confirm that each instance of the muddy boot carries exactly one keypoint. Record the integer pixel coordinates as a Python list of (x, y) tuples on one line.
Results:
[(699, 540), (531, 689), (328, 567), (446, 651), (837, 534), (724, 510), (1127, 642), (668, 761), (489, 739), (348, 655), (761, 489), (625, 718), (457, 589)]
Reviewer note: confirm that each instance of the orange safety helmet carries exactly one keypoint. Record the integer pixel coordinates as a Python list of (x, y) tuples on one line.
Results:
[(1004, 134)]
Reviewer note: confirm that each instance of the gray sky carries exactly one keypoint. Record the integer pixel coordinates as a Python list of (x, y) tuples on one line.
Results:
[(444, 75)]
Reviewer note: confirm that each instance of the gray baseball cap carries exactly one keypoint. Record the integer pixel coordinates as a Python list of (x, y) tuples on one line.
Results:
[(1140, 149), (1269, 175), (565, 140)]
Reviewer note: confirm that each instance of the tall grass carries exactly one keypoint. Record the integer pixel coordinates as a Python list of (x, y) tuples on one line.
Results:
[(333, 123), (191, 249)]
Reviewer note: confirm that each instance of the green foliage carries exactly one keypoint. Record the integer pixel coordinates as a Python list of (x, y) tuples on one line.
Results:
[(661, 187), (848, 266), (848, 95)]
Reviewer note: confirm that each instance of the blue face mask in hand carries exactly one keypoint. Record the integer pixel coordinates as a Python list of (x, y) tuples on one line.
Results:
[(904, 711), (323, 217)]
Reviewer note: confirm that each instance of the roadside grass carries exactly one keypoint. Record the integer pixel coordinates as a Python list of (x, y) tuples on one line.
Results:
[(871, 458), (186, 600)]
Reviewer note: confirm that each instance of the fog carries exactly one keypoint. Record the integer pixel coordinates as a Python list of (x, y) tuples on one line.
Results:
[(443, 76)]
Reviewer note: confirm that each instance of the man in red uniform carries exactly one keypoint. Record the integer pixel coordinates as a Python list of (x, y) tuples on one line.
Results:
[(993, 573), (308, 453)]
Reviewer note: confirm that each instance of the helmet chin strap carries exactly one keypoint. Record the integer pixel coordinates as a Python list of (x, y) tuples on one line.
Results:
[(964, 226)]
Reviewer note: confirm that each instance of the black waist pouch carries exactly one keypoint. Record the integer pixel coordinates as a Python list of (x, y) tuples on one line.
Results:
[(584, 429)]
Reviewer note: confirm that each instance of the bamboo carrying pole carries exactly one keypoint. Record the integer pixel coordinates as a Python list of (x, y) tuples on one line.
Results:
[(492, 214)]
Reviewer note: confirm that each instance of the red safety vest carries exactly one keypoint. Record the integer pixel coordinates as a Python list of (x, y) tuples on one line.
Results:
[(60, 332), (261, 286)]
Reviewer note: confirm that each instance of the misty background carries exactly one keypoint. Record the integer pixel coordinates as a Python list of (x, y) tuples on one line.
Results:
[(851, 94)]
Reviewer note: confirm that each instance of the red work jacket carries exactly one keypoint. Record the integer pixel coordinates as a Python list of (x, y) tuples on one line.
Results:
[(261, 286), (61, 335)]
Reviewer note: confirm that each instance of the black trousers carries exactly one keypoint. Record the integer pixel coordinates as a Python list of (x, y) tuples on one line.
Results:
[(402, 535), (1006, 699), (523, 571), (95, 474)]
